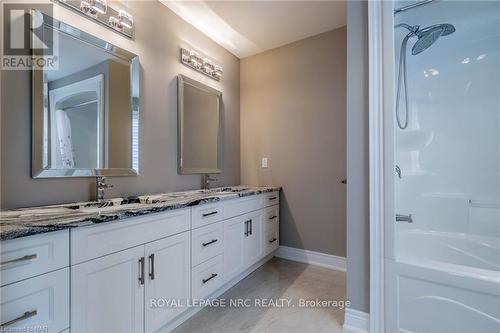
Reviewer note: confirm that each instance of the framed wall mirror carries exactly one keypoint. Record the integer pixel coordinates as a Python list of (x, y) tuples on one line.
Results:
[(199, 127), (85, 113)]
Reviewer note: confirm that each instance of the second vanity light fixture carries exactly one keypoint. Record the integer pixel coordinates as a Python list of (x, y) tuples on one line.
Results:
[(199, 62), (98, 10)]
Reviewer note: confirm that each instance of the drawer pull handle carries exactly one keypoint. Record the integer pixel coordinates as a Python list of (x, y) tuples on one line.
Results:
[(210, 278), (273, 240), (141, 270), (152, 266), (273, 198), (26, 315), (210, 214), (211, 242), (27, 257), (273, 217)]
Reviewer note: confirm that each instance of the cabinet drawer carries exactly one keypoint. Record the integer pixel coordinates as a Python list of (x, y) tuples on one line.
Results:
[(99, 240), (207, 214), (26, 257), (272, 214), (41, 303), (241, 206), (271, 198), (271, 241), (207, 277), (207, 242)]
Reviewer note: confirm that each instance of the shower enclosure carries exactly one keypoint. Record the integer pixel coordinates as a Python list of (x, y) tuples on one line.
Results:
[(442, 149)]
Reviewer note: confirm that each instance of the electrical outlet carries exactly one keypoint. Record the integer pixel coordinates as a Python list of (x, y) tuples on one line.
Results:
[(264, 162)]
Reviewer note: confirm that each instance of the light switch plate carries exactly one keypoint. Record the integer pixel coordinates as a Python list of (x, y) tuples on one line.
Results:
[(264, 162)]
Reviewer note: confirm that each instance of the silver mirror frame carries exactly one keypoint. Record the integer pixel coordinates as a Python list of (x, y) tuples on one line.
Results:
[(181, 80), (37, 167)]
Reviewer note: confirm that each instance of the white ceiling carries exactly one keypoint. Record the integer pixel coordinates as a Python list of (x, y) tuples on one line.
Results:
[(246, 28)]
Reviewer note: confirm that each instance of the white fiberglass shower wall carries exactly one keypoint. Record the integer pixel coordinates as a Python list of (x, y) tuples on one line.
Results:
[(447, 172)]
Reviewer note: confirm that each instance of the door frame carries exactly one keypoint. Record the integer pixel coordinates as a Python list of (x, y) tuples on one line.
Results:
[(381, 153)]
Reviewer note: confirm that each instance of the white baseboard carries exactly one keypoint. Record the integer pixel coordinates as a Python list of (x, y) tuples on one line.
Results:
[(356, 321), (312, 257)]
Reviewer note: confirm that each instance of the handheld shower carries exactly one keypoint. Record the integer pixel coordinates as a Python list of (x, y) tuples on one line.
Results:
[(425, 38)]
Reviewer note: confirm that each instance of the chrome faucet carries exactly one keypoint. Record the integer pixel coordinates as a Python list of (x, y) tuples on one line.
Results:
[(404, 218), (100, 186), (206, 180)]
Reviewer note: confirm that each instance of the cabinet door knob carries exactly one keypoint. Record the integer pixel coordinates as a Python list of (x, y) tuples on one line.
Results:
[(247, 230), (273, 240), (344, 181), (141, 271), (152, 266)]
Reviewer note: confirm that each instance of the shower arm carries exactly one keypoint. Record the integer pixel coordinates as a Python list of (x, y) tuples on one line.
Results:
[(413, 29)]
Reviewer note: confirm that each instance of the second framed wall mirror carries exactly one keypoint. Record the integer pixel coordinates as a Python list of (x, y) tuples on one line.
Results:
[(199, 127)]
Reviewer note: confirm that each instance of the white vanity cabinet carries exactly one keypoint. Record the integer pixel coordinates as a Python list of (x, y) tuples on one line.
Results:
[(34, 275), (168, 276), (118, 292), (244, 242), (107, 295), (136, 274)]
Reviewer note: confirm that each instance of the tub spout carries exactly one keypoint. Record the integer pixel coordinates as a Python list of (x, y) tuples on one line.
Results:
[(404, 218)]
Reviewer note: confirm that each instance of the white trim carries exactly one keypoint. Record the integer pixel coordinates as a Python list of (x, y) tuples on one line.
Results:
[(228, 285), (311, 257), (356, 321), (381, 147)]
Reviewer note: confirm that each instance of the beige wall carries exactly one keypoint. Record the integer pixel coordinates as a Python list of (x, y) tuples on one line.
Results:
[(293, 111), (358, 240), (159, 34)]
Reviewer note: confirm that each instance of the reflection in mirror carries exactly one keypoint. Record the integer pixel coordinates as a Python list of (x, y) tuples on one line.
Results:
[(85, 113), (200, 113)]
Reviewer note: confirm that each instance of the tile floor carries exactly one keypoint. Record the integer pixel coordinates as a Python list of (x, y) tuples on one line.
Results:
[(276, 279)]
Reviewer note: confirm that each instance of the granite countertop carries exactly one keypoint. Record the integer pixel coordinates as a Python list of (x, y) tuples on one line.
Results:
[(35, 220)]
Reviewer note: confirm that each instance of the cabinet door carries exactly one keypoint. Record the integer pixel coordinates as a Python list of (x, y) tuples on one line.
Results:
[(168, 278), (107, 294), (234, 244), (254, 245)]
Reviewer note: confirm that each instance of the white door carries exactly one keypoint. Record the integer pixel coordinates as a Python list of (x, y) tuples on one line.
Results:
[(234, 243), (107, 294), (168, 278), (254, 245)]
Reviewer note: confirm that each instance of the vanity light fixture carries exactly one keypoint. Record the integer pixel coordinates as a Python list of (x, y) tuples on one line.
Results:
[(118, 20), (100, 6), (124, 20), (195, 60)]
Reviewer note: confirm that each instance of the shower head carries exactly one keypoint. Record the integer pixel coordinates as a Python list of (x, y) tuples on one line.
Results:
[(426, 36), (429, 35)]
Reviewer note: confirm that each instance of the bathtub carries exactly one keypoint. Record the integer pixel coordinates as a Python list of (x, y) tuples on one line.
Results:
[(476, 252), (444, 282)]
